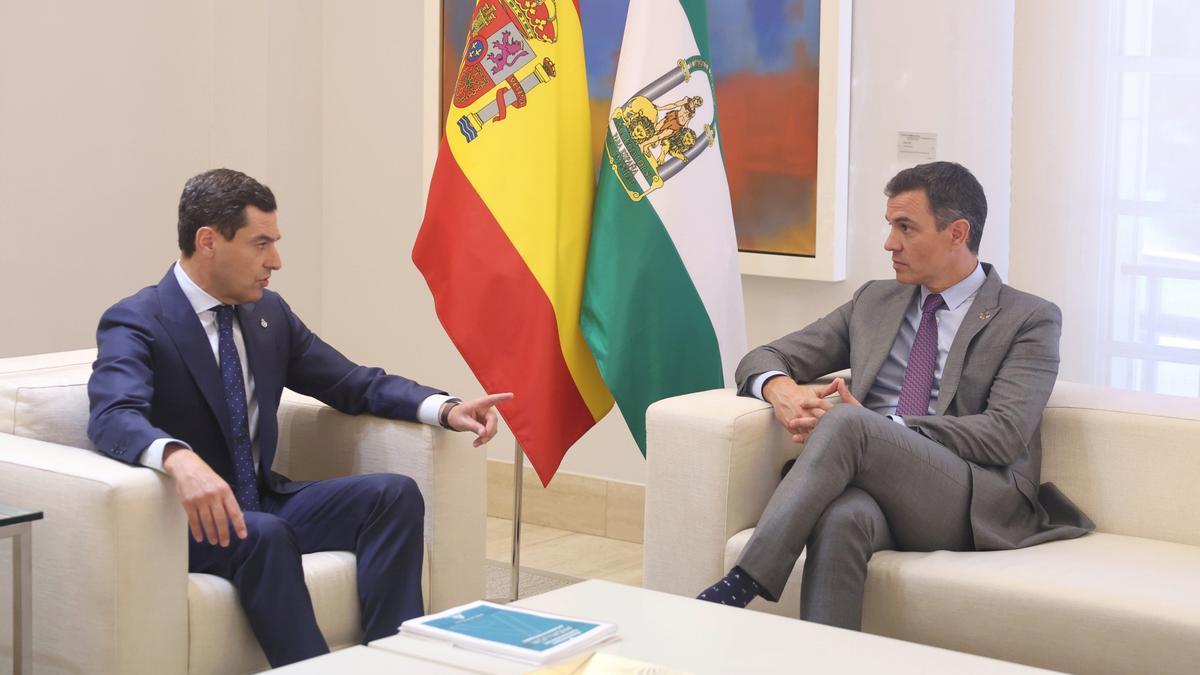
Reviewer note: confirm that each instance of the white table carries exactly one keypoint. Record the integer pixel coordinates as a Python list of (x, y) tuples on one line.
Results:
[(700, 637), (359, 660)]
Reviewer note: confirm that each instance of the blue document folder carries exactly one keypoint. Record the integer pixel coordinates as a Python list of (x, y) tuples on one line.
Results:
[(513, 627), (522, 634)]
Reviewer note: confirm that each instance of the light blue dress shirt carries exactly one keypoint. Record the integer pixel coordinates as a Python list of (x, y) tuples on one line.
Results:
[(885, 392)]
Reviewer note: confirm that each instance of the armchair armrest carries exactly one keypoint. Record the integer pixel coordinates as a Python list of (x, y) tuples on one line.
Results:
[(109, 560), (713, 460), (316, 441)]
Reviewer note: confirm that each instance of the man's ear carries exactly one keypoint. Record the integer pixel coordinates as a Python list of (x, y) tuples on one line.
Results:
[(960, 230), (205, 240)]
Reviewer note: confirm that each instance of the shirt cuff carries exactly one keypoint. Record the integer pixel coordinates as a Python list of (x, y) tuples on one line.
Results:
[(152, 456), (757, 386), (427, 412), (898, 420)]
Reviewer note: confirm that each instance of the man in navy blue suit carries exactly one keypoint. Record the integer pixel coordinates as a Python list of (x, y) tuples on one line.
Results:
[(188, 381)]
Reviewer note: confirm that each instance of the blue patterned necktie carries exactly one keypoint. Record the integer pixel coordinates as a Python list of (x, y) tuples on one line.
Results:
[(234, 387), (917, 388)]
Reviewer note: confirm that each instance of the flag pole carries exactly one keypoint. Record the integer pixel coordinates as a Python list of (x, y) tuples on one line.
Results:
[(518, 474)]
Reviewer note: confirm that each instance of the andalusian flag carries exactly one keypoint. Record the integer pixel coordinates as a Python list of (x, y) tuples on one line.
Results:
[(662, 307), (505, 237)]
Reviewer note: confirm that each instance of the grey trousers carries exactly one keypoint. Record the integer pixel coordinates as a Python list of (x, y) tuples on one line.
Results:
[(863, 483)]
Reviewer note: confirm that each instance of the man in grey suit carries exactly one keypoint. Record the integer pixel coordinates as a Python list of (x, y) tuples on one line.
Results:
[(953, 370)]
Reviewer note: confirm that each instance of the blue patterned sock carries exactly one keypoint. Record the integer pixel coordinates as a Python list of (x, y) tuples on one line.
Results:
[(736, 589)]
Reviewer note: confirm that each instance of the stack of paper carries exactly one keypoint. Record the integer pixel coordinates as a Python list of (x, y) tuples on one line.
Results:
[(521, 634)]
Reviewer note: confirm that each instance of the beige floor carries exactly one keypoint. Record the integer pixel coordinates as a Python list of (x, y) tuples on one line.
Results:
[(578, 555)]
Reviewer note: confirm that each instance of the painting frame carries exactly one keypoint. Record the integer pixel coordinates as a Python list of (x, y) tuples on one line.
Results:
[(828, 262), (833, 155)]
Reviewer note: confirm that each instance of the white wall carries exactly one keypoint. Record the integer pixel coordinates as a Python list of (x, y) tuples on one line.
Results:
[(105, 110), (379, 63), (1058, 163)]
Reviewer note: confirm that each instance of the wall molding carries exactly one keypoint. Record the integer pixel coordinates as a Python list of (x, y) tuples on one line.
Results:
[(584, 504)]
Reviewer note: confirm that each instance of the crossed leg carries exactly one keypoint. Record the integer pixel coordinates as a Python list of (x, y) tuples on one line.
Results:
[(861, 484)]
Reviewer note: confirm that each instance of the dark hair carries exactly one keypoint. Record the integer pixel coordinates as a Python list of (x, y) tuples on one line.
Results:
[(953, 193), (218, 199)]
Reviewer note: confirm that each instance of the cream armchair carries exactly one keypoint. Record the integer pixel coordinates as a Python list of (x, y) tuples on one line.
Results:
[(111, 589), (1125, 599)]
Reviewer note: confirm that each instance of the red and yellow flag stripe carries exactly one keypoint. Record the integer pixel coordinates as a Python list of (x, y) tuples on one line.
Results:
[(504, 242)]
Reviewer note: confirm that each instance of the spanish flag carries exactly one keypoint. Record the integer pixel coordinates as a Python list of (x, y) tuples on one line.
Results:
[(504, 242)]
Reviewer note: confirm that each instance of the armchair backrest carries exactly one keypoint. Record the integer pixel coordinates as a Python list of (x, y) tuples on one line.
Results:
[(1130, 460), (44, 396)]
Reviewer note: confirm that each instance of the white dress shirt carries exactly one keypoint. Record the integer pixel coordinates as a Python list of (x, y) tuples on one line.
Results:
[(885, 391), (205, 305)]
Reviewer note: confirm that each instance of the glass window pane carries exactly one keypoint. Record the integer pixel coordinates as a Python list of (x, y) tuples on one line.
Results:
[(1129, 160), (1172, 29), (1153, 227), (1177, 379), (1172, 240), (1134, 35), (1180, 342), (1181, 297)]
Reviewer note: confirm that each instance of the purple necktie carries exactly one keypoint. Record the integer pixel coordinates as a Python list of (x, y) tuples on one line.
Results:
[(922, 361), (245, 481)]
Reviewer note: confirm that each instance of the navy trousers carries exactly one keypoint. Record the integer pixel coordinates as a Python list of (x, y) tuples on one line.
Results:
[(380, 517)]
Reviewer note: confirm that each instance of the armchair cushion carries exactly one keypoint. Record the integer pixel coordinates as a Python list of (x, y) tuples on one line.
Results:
[(220, 637)]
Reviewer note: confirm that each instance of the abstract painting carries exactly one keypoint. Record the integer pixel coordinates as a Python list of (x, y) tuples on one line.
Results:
[(783, 130)]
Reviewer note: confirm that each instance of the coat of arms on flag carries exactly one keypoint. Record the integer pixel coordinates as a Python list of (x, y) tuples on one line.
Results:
[(504, 37), (654, 134)]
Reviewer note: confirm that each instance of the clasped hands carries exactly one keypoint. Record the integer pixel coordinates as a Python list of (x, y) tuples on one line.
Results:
[(799, 408)]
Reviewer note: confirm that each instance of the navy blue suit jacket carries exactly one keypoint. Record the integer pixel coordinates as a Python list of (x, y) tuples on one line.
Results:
[(156, 377)]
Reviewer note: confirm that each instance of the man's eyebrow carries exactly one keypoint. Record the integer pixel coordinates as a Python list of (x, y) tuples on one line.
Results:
[(265, 237)]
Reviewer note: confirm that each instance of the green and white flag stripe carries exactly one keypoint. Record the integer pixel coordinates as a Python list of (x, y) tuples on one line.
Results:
[(662, 303)]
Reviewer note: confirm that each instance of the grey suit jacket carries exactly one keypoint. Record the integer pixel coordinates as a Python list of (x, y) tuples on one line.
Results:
[(995, 384)]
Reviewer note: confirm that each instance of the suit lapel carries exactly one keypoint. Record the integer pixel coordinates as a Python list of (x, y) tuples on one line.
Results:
[(182, 324), (983, 310), (256, 333), (891, 315)]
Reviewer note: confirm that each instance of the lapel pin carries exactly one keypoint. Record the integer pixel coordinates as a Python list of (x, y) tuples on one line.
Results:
[(983, 316), (263, 323)]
